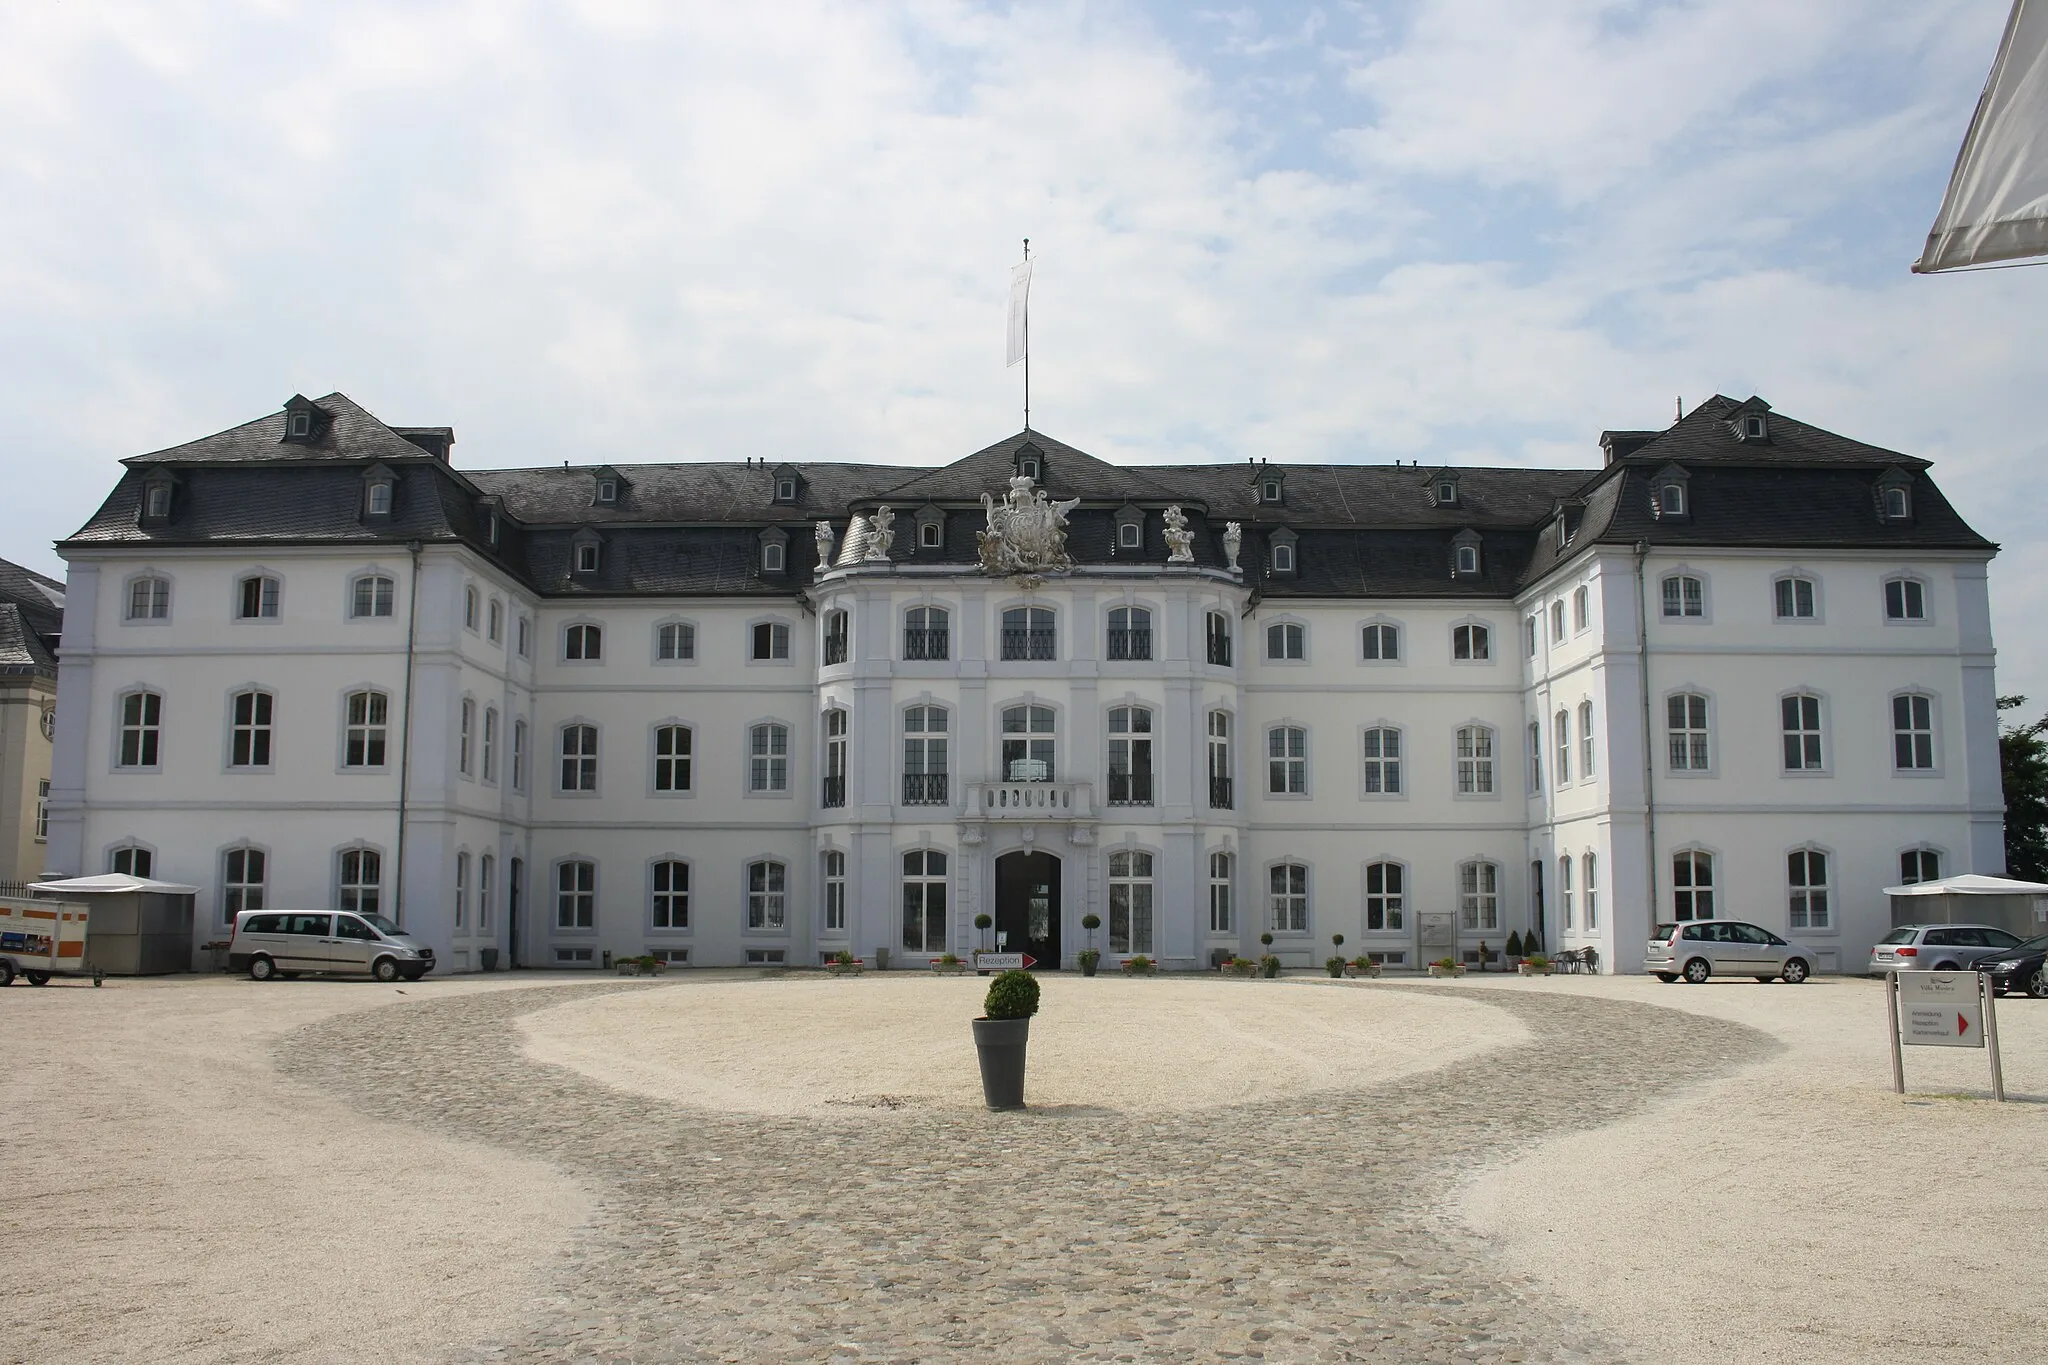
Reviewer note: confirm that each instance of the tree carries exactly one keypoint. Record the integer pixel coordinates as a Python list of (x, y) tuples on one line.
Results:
[(2023, 762)]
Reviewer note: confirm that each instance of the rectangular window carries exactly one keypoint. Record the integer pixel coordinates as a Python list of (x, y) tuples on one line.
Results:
[(1793, 599), (1220, 880), (149, 599), (258, 599), (579, 758), (1287, 761), (768, 758), (675, 642), (770, 641), (1029, 742), (42, 809), (141, 729), (371, 596), (363, 742), (1130, 634), (1807, 874), (1130, 901), (490, 744), (1479, 896), (249, 743), (927, 634), (671, 907), (519, 755), (241, 882), (1913, 732), (1686, 732), (767, 892), (1381, 643), (835, 892), (835, 638), (1475, 761), (1219, 639), (465, 736), (1384, 896), (924, 756), (1585, 741), (461, 890), (1592, 880), (1289, 898), (924, 901), (484, 883), (1905, 599), (1561, 735), (1801, 720), (834, 793), (1028, 634), (1221, 796), (1564, 891), (1130, 756), (1692, 886), (1286, 641), (1684, 595), (1535, 757), (1383, 761), (576, 895), (361, 880), (672, 754)]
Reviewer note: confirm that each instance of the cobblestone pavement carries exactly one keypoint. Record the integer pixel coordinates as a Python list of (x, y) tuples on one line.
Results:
[(1313, 1230)]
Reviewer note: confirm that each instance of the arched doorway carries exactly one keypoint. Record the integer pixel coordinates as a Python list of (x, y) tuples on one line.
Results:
[(1028, 905)]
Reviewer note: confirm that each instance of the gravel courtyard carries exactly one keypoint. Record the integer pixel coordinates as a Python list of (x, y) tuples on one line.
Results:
[(721, 1167)]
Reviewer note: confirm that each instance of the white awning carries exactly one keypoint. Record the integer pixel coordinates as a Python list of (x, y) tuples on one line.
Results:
[(1971, 884), (110, 884), (1996, 208)]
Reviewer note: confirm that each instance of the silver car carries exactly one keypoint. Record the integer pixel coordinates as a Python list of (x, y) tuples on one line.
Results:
[(1730, 947), (1937, 947), (287, 943)]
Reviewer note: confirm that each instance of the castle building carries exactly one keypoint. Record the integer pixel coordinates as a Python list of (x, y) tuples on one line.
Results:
[(31, 621), (764, 711)]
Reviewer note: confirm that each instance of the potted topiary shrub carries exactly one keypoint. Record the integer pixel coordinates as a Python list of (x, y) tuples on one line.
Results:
[(1139, 965), (981, 924), (1514, 949), (1000, 1036), (948, 964), (1334, 964), (1269, 965), (1088, 959)]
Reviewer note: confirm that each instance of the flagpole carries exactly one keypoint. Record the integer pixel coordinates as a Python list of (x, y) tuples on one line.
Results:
[(1027, 346)]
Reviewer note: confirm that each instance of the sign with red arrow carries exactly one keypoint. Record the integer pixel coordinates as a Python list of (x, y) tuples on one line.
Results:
[(1941, 1009), (1004, 962)]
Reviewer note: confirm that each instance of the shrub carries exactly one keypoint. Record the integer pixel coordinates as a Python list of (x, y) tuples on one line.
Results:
[(1337, 940), (645, 962), (1012, 995), (1538, 961), (843, 958), (1266, 939), (982, 921), (1361, 961), (1514, 944), (1139, 964), (1087, 957), (1091, 921), (949, 960), (1334, 966), (1447, 963)]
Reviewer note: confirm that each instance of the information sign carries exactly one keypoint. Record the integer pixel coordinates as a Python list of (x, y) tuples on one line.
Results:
[(1941, 1009), (1004, 962)]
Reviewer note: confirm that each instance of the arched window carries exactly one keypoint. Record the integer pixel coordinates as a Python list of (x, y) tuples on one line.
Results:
[(1479, 896), (674, 750), (1799, 715), (1471, 642), (1468, 559), (924, 901), (249, 730), (1028, 634), (256, 598), (1671, 500), (1380, 642), (485, 882), (1283, 557), (1029, 743), (1561, 736), (142, 718), (1130, 633), (1913, 732), (1221, 880), (1686, 734), (675, 642), (359, 880), (519, 755), (149, 598), (371, 595), (496, 632), (583, 642), (1382, 761), (1218, 633), (1564, 891), (465, 736), (1130, 756), (1130, 901), (835, 891), (1535, 757), (1793, 599), (576, 894), (927, 634), (1557, 622), (835, 638), (1286, 641), (670, 908), (1582, 607), (366, 725), (1905, 599), (1806, 878), (1385, 896), (1287, 760), (767, 896), (490, 745), (1221, 797), (472, 609), (1684, 595), (1896, 506), (1692, 885), (1590, 865), (579, 758), (834, 792), (1475, 760), (243, 876), (1585, 741), (768, 758), (1288, 905), (131, 859), (1919, 865), (925, 760), (773, 554), (461, 890), (768, 642)]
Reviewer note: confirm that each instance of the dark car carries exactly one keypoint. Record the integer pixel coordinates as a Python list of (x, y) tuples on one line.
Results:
[(2024, 968)]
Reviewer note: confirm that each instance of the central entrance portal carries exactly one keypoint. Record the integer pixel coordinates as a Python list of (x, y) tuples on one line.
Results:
[(1028, 905)]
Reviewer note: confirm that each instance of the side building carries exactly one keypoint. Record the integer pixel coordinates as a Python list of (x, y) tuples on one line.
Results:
[(760, 712), (31, 622)]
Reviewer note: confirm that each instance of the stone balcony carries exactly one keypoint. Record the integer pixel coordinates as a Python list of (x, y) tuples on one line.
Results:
[(1026, 801)]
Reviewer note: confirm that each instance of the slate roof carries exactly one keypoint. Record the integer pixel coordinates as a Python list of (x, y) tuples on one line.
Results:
[(31, 620), (1362, 530)]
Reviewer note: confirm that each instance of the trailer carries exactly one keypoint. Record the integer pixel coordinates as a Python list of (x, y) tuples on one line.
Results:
[(40, 939)]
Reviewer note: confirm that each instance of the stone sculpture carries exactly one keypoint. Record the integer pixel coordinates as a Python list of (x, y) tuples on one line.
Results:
[(1233, 540), (823, 535), (1027, 531), (880, 537), (1180, 542)]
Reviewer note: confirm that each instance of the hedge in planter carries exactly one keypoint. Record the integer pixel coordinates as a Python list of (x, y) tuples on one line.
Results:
[(1000, 1037)]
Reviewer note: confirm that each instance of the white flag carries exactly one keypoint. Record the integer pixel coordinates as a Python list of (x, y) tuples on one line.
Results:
[(1020, 312), (1996, 208)]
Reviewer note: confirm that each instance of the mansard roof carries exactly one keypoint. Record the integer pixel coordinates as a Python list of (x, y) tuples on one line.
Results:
[(31, 619), (1362, 529)]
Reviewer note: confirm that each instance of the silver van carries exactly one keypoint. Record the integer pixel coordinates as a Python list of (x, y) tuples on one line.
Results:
[(1734, 947), (286, 943)]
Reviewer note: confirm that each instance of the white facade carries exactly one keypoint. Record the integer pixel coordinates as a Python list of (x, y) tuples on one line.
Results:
[(1480, 850)]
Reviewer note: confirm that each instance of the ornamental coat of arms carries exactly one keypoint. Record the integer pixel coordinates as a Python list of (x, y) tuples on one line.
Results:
[(1027, 531)]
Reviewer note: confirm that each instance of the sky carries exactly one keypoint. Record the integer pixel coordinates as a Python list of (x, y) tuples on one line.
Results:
[(629, 231)]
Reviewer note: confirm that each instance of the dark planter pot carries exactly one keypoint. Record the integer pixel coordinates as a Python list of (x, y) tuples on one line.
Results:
[(1000, 1042), (1088, 966), (1270, 970), (490, 958)]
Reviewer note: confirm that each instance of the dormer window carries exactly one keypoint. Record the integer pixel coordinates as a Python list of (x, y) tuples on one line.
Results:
[(1281, 554), (607, 490), (304, 420), (1465, 557), (1895, 496), (1030, 463), (1468, 559), (1671, 500), (491, 529), (1754, 427), (771, 558), (586, 558), (1283, 559), (586, 552), (774, 550), (785, 490), (789, 484), (1130, 528), (159, 500), (931, 529), (300, 424), (929, 535), (1029, 468), (379, 504), (1446, 494), (380, 487), (1895, 505), (1443, 488), (1671, 494)]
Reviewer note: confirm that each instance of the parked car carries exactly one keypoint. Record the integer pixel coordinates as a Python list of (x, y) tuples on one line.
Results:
[(287, 943), (2024, 968), (1731, 947), (1936, 947)]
